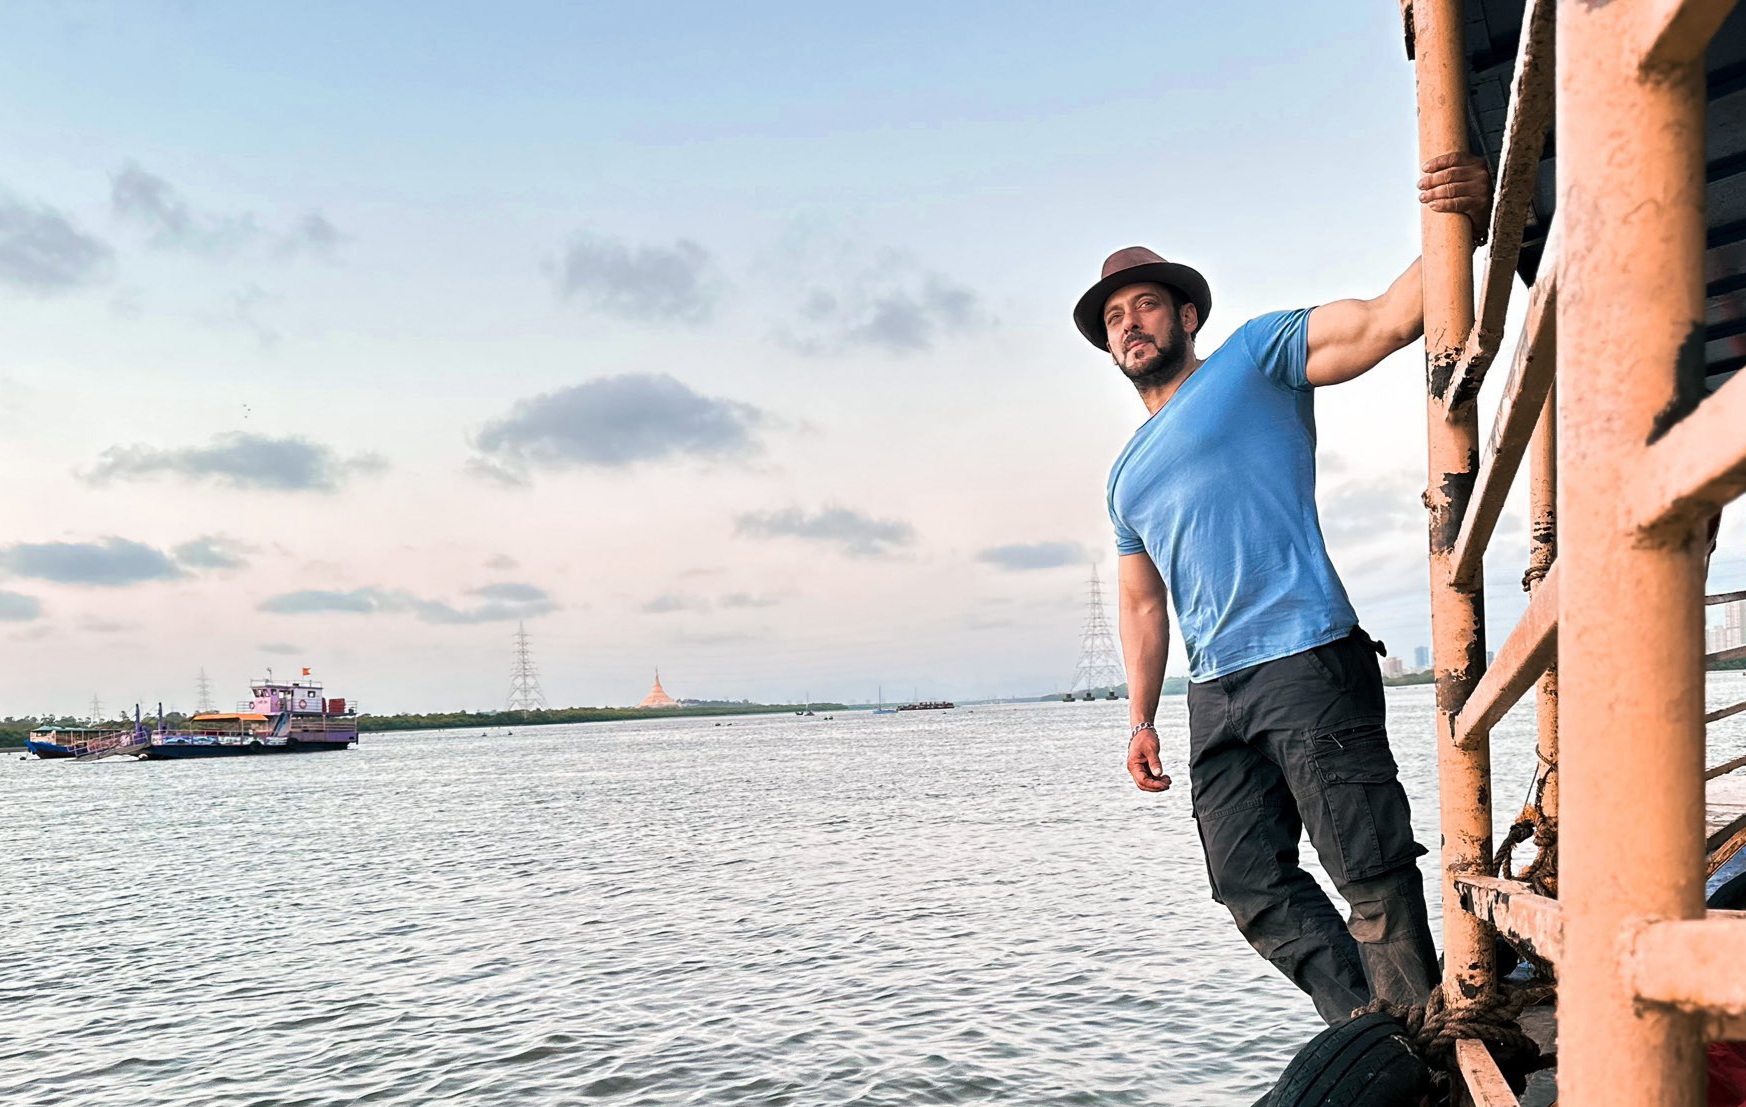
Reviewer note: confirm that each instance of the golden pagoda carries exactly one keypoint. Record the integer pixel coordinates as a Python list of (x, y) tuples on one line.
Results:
[(658, 696)]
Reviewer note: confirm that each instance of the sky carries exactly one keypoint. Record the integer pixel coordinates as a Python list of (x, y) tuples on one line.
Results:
[(729, 339)]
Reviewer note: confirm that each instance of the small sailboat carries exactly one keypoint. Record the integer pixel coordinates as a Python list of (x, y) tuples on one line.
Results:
[(882, 709)]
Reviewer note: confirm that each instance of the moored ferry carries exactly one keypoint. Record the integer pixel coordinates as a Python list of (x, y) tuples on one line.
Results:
[(281, 717), (50, 742)]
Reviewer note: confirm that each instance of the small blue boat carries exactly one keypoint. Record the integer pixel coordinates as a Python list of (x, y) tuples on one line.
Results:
[(52, 742)]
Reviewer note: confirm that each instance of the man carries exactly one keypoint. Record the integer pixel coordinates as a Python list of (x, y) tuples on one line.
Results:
[(1213, 502)]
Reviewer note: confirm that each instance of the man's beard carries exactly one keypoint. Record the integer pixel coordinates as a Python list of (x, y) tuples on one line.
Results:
[(1161, 368)]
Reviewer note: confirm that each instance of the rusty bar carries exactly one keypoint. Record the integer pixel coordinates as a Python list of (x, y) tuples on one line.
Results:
[(1518, 173), (1542, 556), (1690, 965), (1517, 911), (1697, 467), (1518, 413), (1724, 597), (1452, 456), (1529, 650), (1486, 1086), (1723, 845), (1733, 654), (1726, 767), (1676, 32), (1725, 713), (1721, 837), (1630, 199)]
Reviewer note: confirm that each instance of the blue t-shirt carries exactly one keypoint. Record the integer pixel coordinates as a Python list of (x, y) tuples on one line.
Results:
[(1219, 487)]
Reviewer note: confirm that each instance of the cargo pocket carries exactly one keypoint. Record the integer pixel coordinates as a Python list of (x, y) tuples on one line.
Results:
[(1363, 803)]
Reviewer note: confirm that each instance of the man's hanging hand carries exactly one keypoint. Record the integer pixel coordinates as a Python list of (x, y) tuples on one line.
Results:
[(1143, 763)]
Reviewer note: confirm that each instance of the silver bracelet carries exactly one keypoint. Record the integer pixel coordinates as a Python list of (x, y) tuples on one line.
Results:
[(1134, 733)]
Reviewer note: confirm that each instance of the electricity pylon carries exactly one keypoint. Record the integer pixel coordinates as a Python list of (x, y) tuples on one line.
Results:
[(1100, 666), (524, 678)]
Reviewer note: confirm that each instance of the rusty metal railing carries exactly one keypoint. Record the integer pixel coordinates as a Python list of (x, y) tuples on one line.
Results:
[(1616, 559)]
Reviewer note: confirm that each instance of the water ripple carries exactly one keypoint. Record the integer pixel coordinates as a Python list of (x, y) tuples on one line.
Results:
[(847, 912)]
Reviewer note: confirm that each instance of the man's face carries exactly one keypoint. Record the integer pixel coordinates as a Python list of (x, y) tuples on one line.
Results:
[(1146, 336)]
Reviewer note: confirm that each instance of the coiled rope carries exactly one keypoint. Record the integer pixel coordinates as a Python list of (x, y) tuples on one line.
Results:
[(1540, 874), (1433, 1028)]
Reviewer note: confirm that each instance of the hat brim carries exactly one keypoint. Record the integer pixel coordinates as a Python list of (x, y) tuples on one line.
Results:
[(1088, 313)]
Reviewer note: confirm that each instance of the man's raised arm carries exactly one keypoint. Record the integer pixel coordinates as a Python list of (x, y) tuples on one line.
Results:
[(1145, 631), (1348, 338)]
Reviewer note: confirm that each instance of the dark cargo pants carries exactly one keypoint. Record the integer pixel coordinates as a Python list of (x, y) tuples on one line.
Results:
[(1299, 744)]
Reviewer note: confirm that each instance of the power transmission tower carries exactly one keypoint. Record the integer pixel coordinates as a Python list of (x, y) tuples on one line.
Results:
[(524, 679), (203, 693), (1100, 666), (96, 710)]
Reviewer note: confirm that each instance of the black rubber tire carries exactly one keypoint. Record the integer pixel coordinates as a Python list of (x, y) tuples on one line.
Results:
[(1365, 1063)]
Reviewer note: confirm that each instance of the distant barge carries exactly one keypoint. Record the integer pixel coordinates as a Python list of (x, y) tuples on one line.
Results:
[(927, 705), (282, 717)]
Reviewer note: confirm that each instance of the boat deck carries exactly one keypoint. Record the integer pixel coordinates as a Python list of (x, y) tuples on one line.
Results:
[(1725, 816)]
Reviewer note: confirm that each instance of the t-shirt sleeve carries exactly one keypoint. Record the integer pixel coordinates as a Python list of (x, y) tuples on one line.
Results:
[(1127, 539), (1127, 542), (1278, 342)]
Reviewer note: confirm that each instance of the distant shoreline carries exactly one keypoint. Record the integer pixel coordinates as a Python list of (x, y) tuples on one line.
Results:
[(497, 720), (468, 720)]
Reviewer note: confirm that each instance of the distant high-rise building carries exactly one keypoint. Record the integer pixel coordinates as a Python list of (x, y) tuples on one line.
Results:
[(1730, 633), (1421, 657), (1393, 667)]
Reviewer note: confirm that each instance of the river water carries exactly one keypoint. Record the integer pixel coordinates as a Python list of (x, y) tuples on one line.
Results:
[(970, 906)]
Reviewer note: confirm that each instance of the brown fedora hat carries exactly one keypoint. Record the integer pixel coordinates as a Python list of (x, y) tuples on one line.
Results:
[(1137, 265)]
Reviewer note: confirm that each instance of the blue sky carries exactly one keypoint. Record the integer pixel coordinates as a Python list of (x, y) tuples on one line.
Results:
[(729, 339)]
